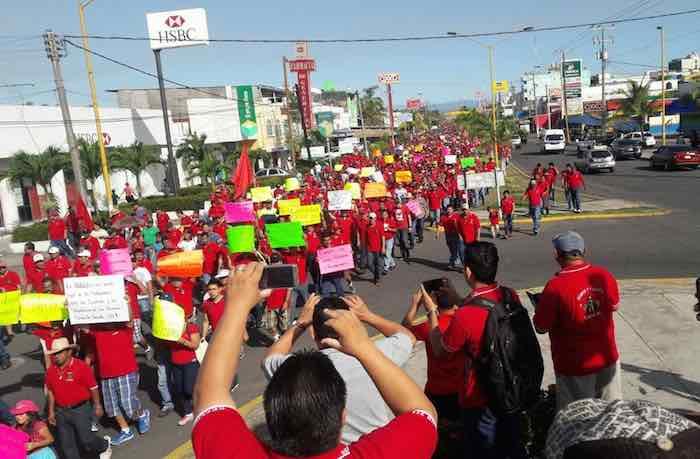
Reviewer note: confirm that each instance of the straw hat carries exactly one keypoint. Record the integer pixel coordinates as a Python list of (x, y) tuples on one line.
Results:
[(60, 345)]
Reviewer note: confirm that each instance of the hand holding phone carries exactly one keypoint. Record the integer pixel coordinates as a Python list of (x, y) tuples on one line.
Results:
[(279, 276)]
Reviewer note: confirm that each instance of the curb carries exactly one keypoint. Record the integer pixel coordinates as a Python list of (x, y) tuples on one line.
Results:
[(520, 171), (185, 450)]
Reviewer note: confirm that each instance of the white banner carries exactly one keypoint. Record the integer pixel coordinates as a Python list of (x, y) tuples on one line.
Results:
[(451, 159), (96, 299), (173, 29), (339, 200), (481, 180)]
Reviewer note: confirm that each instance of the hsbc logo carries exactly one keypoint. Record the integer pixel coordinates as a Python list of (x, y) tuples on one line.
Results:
[(174, 21)]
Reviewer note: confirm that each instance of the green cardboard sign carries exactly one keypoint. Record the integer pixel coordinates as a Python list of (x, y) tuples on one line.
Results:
[(282, 235), (467, 162), (241, 238)]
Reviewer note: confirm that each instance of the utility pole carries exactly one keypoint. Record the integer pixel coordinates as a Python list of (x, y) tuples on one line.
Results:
[(603, 56), (290, 136), (173, 180), (362, 122), (534, 102), (391, 116), (563, 95), (492, 74), (663, 87), (549, 114), (55, 50), (303, 123)]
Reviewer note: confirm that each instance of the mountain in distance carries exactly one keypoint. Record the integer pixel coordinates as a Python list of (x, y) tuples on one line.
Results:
[(453, 105)]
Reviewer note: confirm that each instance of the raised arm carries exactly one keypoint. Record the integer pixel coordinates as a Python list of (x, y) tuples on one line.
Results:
[(284, 345), (385, 326)]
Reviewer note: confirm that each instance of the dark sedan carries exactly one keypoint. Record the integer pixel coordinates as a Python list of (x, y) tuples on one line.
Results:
[(675, 156), (626, 148)]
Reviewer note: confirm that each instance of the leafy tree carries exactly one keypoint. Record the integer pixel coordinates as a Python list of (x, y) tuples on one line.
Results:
[(135, 159), (39, 168), (373, 109), (636, 104), (200, 160)]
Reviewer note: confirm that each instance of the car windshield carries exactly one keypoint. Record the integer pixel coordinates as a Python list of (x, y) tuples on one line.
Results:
[(600, 154), (554, 138)]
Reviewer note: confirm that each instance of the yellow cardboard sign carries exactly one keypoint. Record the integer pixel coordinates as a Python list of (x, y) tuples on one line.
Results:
[(403, 176), (500, 86), (353, 188), (375, 190), (307, 215), (291, 184), (168, 320), (338, 167), (419, 148), (288, 206), (367, 171), (261, 194), (9, 307), (389, 159), (376, 152), (42, 307)]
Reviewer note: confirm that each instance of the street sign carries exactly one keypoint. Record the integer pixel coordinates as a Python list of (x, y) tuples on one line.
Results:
[(414, 104), (571, 72), (174, 29), (301, 49), (500, 86), (388, 78), (302, 65)]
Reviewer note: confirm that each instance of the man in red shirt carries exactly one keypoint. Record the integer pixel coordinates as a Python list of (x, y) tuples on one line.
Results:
[(180, 291), (91, 243), (435, 197), (28, 257), (162, 221), (35, 277), (576, 309), (551, 176), (507, 208), (295, 418), (576, 184), (483, 431), (213, 253), (533, 194), (58, 233), (115, 240), (469, 226), (9, 280), (71, 386), (450, 224), (83, 266), (58, 267), (375, 245)]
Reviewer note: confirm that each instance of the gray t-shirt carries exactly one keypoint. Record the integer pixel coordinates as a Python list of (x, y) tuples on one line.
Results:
[(366, 410)]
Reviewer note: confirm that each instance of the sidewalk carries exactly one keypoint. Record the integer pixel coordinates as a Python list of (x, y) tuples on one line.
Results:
[(656, 334)]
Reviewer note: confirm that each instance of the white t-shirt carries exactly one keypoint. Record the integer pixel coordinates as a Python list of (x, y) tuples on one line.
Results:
[(142, 275)]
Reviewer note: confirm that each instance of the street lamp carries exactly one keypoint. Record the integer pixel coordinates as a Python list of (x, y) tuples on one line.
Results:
[(95, 106)]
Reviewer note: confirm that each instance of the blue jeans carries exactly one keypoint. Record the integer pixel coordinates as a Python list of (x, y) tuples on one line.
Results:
[(300, 291), (374, 261), (418, 228), (434, 217), (535, 215), (456, 247), (4, 355), (508, 221), (488, 437), (332, 284), (567, 194), (62, 247), (576, 198), (388, 255), (163, 357)]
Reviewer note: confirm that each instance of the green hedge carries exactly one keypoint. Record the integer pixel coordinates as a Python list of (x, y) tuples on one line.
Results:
[(36, 232), (173, 203)]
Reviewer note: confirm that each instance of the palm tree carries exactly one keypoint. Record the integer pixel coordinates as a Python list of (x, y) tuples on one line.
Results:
[(90, 166), (198, 158), (636, 104), (39, 168), (135, 159)]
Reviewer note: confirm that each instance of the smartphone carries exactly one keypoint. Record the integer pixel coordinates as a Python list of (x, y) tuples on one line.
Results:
[(279, 276), (434, 285)]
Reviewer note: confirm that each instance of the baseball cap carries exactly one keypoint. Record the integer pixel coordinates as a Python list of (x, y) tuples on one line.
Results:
[(223, 273), (372, 215), (84, 253), (37, 257), (53, 249), (23, 407), (569, 242), (465, 206)]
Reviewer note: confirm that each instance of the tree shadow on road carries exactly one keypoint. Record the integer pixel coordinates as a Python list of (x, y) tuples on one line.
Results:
[(28, 380), (673, 383)]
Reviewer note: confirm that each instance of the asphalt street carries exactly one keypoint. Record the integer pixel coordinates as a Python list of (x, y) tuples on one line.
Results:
[(649, 247)]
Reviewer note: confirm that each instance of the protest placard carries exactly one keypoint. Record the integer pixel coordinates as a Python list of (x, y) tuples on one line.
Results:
[(451, 159), (467, 163), (115, 261), (338, 167), (261, 194), (96, 299), (403, 176), (335, 259), (352, 170), (291, 184), (367, 171), (417, 159), (13, 443), (307, 215), (168, 320), (389, 159), (239, 212), (339, 200), (9, 307), (241, 238), (375, 190), (419, 147), (42, 307), (354, 189), (288, 206), (182, 264), (282, 235), (415, 208)]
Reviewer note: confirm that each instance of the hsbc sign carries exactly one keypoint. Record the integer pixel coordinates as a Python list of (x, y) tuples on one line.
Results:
[(173, 29)]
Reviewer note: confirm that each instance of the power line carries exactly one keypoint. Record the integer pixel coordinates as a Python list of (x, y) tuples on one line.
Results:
[(415, 38), (634, 64)]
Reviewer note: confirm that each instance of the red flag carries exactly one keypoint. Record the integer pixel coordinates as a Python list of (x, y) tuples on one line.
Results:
[(243, 176), (83, 214)]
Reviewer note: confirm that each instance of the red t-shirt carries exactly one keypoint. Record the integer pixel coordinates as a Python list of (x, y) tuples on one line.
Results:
[(446, 373), (81, 270), (469, 227), (116, 242), (345, 224), (575, 180), (220, 229), (577, 308), (162, 220), (435, 198), (493, 217), (534, 196), (28, 263), (409, 436), (182, 296), (216, 211), (401, 220), (211, 252), (57, 229), (92, 244), (508, 205), (115, 352), (297, 258), (276, 299), (214, 310), (389, 228), (313, 242), (71, 384), (58, 268), (375, 233), (179, 354), (132, 291), (464, 335), (450, 224), (36, 279), (10, 281)]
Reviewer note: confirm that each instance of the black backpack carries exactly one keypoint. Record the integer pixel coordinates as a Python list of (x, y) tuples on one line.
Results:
[(509, 367)]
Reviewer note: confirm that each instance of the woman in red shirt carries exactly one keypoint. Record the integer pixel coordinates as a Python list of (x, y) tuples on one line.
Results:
[(184, 368), (390, 227), (27, 420)]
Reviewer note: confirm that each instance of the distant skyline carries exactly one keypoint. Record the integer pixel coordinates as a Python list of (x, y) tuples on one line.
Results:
[(442, 70)]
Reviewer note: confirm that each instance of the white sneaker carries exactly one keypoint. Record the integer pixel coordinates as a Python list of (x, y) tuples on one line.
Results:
[(93, 427), (107, 454), (185, 419)]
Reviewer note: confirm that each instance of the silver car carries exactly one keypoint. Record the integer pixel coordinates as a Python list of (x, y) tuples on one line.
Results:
[(597, 159)]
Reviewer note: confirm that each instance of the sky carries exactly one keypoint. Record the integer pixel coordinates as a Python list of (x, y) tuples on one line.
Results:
[(440, 70)]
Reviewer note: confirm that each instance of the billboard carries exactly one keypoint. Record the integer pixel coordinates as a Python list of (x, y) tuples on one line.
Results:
[(221, 119), (324, 121), (414, 104), (571, 76), (174, 29), (388, 78), (246, 112), (500, 86)]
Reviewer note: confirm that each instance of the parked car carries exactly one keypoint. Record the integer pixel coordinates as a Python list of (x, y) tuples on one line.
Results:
[(646, 137), (584, 144), (553, 141), (596, 159), (516, 141), (626, 148), (675, 156), (271, 172)]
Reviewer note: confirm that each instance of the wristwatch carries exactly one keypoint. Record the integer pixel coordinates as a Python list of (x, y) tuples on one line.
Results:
[(434, 310)]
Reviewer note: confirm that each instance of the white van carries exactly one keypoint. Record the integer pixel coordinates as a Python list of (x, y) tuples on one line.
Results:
[(553, 141)]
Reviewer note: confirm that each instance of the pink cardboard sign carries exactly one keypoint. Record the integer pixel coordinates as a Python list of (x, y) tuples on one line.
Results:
[(417, 158), (13, 443), (415, 208), (115, 261), (335, 259), (239, 212)]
